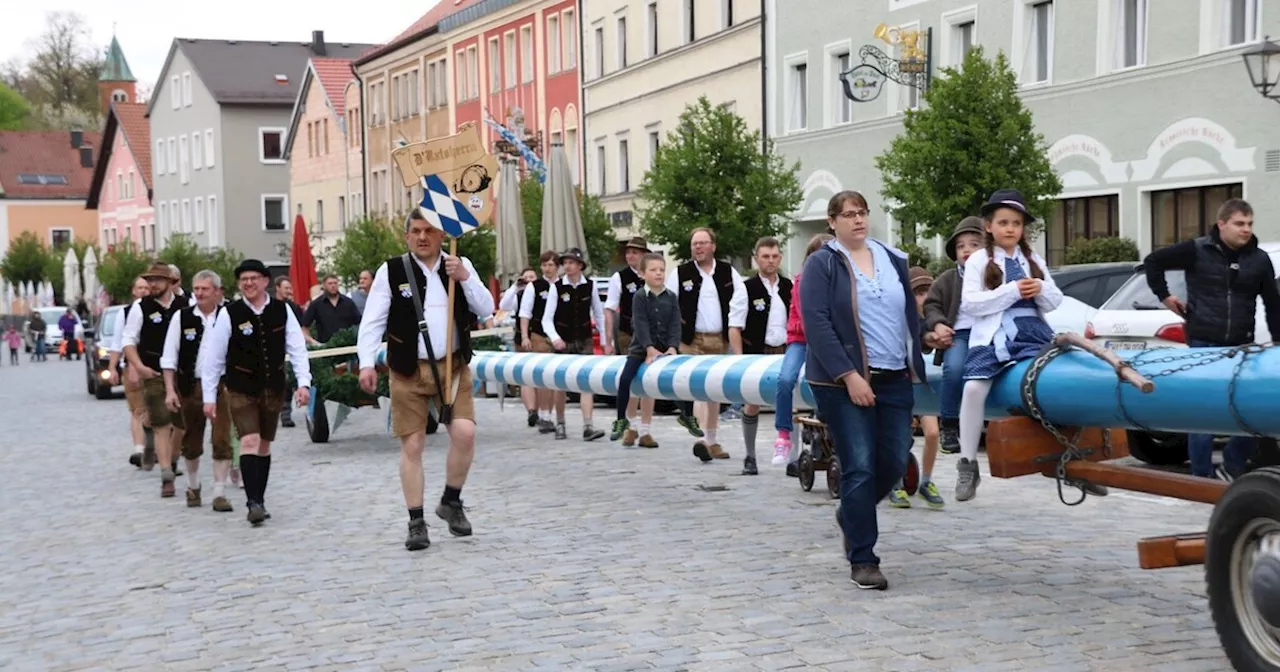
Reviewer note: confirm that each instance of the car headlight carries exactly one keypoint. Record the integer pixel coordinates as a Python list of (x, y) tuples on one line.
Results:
[(102, 353), (105, 375)]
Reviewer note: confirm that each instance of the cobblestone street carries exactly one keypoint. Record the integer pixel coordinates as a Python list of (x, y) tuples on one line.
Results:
[(585, 556)]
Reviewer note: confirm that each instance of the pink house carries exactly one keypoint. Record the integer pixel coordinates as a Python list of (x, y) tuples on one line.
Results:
[(121, 188)]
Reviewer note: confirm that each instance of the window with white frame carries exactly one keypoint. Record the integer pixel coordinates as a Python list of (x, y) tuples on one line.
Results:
[(442, 84), (908, 96), (526, 54), (185, 220), (197, 213), (461, 77), (959, 35), (841, 106), (342, 212), (128, 186), (119, 186), (510, 53), (271, 145), (1037, 48), (274, 209), (797, 95), (622, 42), (726, 13), (162, 216), (184, 159), (159, 158), (690, 13), (197, 151), (186, 89), (624, 164), (415, 101), (473, 73), (319, 215), (175, 217), (1239, 21), (213, 220), (655, 142), (599, 44), (495, 66), (601, 174), (651, 29), (173, 156), (569, 24), (1128, 33), (553, 45), (175, 92), (208, 148), (431, 86)]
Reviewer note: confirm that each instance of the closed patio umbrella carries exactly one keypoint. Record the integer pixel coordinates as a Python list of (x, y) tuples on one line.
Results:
[(561, 216), (513, 247)]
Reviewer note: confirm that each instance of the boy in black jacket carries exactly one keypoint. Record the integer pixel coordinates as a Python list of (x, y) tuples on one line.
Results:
[(655, 324)]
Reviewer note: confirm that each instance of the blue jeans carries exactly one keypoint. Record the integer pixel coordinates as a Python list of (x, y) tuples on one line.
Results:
[(953, 375), (873, 444), (1200, 446), (792, 360)]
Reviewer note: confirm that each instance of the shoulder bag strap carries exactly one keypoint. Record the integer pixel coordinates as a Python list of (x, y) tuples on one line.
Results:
[(446, 412)]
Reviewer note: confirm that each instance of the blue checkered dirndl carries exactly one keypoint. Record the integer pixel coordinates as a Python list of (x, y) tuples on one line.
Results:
[(1023, 332)]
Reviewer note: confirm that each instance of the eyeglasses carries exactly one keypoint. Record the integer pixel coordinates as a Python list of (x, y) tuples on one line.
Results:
[(701, 243), (853, 214)]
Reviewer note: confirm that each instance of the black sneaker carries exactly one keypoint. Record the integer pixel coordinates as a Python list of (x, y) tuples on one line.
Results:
[(533, 418), (749, 467), (559, 430), (620, 427), (868, 577), (701, 452), (257, 514), (690, 423), (950, 443), (136, 460), (418, 538), (454, 514), (590, 433)]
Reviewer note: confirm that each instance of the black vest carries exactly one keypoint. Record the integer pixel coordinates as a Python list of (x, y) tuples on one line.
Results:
[(256, 350), (190, 335), (573, 309), (402, 319), (541, 290), (1222, 300), (630, 284), (690, 288), (155, 327), (759, 303)]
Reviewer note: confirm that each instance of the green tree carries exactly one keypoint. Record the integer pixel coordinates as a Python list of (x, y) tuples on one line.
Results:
[(1101, 250), (118, 268), (712, 172), (182, 251), (365, 245), (222, 261), (27, 260), (602, 244), (60, 79), (972, 137), (481, 247), (15, 111)]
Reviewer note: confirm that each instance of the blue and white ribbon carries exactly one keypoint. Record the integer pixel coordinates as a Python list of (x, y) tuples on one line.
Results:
[(535, 164)]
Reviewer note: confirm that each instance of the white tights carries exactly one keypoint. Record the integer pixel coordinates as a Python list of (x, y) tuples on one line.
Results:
[(973, 404)]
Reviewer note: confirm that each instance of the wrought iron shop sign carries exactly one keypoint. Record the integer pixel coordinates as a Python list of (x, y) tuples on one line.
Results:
[(864, 82)]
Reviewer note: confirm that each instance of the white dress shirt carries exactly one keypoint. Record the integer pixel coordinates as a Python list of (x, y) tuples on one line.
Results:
[(435, 310), (213, 350), (526, 302), (510, 302), (597, 311), (614, 297), (133, 324), (173, 339), (117, 341), (987, 306), (707, 320), (775, 330)]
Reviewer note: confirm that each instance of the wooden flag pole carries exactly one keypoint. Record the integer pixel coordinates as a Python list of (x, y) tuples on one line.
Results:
[(448, 332)]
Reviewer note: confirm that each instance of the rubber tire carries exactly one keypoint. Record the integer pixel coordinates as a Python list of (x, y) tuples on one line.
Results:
[(91, 382), (805, 469), (101, 391), (1254, 495), (833, 477), (318, 426), (1163, 451)]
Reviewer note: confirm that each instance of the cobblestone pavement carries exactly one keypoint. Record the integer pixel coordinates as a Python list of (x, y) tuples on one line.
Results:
[(586, 556)]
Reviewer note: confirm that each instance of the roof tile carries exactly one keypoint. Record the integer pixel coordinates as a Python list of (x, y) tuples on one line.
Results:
[(244, 72), (44, 152), (441, 9), (334, 75)]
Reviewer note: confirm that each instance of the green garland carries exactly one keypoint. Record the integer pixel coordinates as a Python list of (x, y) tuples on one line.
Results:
[(345, 388)]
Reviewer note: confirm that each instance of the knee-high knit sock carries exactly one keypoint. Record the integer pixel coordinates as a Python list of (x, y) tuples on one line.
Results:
[(972, 404), (252, 472), (750, 423), (266, 475)]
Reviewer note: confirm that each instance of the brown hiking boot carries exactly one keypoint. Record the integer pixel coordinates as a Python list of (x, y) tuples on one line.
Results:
[(193, 498), (717, 452), (629, 437), (647, 441), (166, 488), (221, 504)]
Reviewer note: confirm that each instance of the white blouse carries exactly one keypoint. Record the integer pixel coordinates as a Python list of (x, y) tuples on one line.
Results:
[(986, 306)]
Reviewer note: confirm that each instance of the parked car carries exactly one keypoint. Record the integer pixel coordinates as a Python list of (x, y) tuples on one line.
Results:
[(1092, 284), (1071, 315), (97, 373), (1134, 320), (52, 334)]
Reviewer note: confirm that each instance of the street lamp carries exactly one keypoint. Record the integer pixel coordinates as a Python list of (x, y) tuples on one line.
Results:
[(1263, 63)]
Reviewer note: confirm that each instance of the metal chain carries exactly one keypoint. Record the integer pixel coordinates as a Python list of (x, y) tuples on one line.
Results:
[(1032, 405)]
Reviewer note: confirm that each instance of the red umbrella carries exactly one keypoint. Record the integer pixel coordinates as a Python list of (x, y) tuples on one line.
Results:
[(302, 266)]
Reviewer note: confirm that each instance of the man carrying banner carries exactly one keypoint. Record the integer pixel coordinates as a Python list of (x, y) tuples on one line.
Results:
[(407, 292)]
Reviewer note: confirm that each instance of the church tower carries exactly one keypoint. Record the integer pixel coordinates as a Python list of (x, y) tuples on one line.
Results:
[(116, 82)]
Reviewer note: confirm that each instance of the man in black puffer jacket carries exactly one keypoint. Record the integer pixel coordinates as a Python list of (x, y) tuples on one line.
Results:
[(1226, 273)]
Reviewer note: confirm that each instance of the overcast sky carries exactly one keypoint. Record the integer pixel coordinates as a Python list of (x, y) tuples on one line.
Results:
[(148, 27)]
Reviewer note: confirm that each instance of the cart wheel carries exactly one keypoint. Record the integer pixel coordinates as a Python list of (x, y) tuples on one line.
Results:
[(1245, 524), (318, 421), (806, 470), (833, 477), (911, 479)]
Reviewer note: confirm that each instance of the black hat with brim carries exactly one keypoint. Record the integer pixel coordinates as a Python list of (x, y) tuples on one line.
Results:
[(252, 266), (1007, 198), (574, 254)]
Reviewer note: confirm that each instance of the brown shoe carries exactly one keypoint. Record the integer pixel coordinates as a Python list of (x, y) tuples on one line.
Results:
[(221, 504), (193, 498), (647, 441), (717, 452), (166, 488), (629, 437), (868, 577)]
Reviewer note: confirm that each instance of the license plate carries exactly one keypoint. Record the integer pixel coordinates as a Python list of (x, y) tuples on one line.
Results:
[(1126, 345)]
